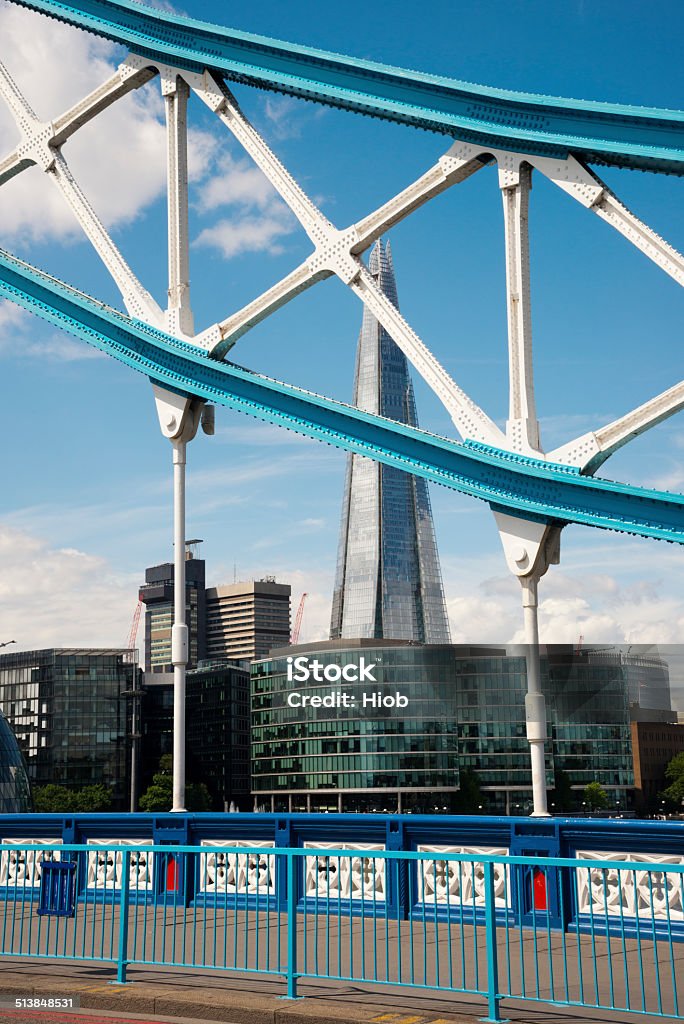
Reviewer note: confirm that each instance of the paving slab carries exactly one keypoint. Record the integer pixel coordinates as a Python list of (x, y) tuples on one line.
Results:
[(189, 995)]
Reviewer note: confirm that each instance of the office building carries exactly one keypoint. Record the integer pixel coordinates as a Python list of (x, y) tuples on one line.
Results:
[(157, 596), (654, 744), (388, 582), (15, 797), (68, 709), (245, 620), (465, 712), (241, 620), (216, 729)]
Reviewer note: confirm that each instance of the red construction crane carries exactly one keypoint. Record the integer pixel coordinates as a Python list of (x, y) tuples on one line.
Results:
[(132, 636), (298, 621)]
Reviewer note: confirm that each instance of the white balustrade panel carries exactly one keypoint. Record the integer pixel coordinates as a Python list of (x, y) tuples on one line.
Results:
[(347, 878), (635, 891), (105, 866), (21, 868), (226, 872), (462, 883)]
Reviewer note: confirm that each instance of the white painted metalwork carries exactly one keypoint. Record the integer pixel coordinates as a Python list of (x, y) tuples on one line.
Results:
[(462, 883), (226, 873), (179, 315), (522, 428), (22, 868), (529, 547), (633, 891), (347, 878), (105, 866)]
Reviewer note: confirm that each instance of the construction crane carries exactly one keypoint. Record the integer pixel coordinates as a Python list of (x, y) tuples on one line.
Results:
[(132, 636), (298, 621)]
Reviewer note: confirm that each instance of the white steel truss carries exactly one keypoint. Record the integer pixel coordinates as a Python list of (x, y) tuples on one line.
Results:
[(337, 252)]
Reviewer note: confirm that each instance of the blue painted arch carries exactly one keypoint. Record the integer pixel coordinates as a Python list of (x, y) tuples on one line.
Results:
[(523, 486), (625, 136)]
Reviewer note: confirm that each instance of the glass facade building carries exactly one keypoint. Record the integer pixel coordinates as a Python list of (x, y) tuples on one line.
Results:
[(464, 711), (225, 623), (15, 796), (157, 596), (70, 712), (216, 729), (388, 582)]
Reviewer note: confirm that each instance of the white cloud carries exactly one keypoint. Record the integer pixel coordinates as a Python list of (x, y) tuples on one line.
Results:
[(600, 607), (19, 339), (249, 233), (239, 182), (284, 116), (11, 316), (60, 597), (257, 433), (118, 159), (672, 481)]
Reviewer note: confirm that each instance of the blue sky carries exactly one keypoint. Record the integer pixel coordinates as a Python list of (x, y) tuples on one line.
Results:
[(85, 497)]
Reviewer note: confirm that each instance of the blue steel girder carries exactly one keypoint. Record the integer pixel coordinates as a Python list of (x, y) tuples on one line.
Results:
[(625, 136), (527, 487)]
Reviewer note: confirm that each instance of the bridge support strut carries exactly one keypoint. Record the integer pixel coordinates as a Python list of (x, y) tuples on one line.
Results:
[(530, 548), (179, 418)]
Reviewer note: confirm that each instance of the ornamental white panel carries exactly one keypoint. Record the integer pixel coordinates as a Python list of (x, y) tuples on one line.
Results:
[(225, 872), (347, 878), (635, 891), (21, 868), (462, 883), (105, 866)]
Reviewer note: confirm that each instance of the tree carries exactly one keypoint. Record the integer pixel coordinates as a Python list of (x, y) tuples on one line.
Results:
[(595, 796), (562, 795), (93, 798), (674, 773), (54, 799), (469, 798), (197, 797), (159, 795)]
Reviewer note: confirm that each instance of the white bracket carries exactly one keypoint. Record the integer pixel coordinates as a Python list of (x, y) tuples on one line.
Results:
[(179, 416), (529, 547)]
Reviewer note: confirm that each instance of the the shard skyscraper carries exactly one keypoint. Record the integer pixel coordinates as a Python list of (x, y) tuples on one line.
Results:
[(388, 583)]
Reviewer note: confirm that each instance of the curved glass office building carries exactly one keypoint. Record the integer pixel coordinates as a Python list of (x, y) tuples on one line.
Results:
[(381, 725), (15, 797)]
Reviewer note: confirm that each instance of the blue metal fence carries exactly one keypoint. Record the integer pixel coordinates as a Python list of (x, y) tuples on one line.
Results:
[(577, 931)]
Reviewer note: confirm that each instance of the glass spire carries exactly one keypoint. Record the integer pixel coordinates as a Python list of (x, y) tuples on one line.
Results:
[(388, 583)]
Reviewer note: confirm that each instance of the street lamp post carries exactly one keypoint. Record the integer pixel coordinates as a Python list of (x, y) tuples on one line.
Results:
[(135, 694)]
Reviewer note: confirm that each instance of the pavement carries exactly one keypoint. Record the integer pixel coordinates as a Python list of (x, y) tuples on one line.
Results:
[(187, 996)]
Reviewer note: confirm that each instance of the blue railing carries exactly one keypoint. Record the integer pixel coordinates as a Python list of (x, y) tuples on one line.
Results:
[(573, 931)]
